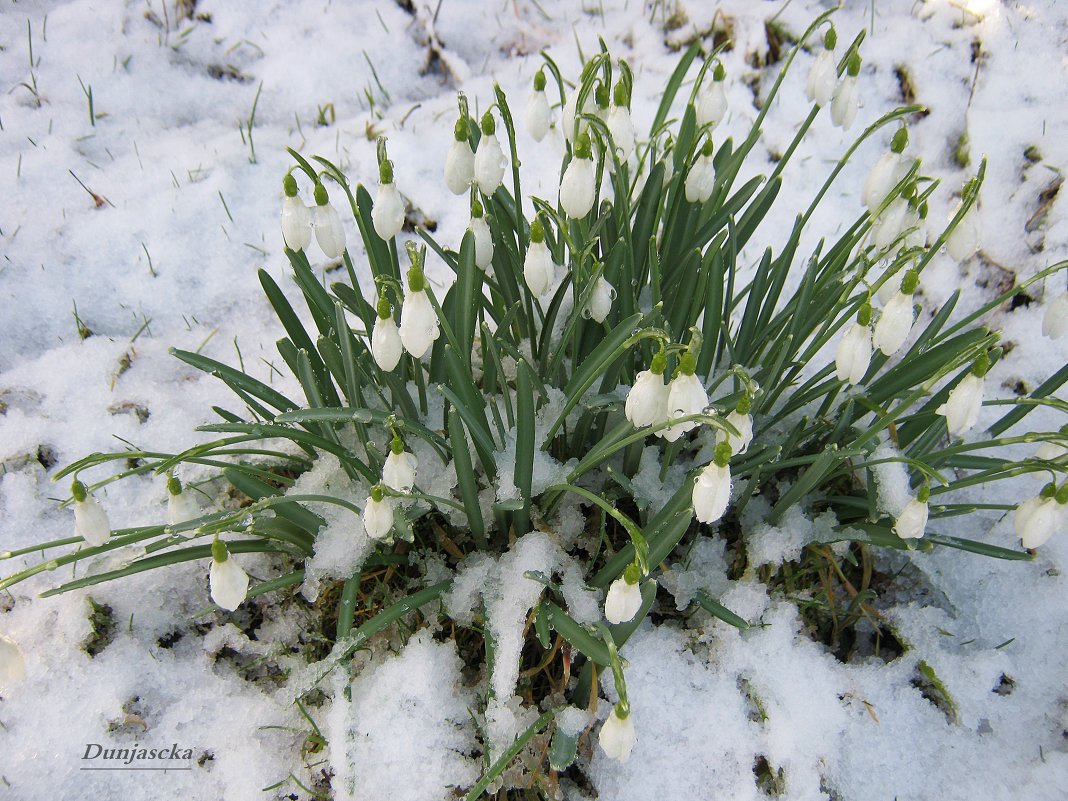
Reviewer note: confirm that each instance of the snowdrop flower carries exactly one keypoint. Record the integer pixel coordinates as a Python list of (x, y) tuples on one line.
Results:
[(963, 241), (965, 400), (887, 172), (647, 400), (228, 582), (483, 237), (538, 265), (419, 327), (387, 214), (617, 734), (712, 101), (912, 520), (386, 346), (895, 323), (701, 179), (1036, 519), (846, 99), (460, 161), (578, 186), (686, 396), (824, 72), (296, 217), (743, 421), (378, 514), (398, 472), (12, 664), (854, 350), (888, 226), (329, 232), (712, 487), (1055, 321), (1048, 451), (620, 124), (489, 158), (90, 519), (601, 297), (624, 597), (538, 114), (181, 505)]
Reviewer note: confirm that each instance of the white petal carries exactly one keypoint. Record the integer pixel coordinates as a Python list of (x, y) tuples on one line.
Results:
[(398, 472), (622, 602), (12, 664), (884, 176), (538, 115), (617, 736), (711, 493), (378, 518), (577, 188), (963, 405), (483, 242), (181, 507), (744, 424), (459, 167), (489, 164), (329, 232), (686, 396), (601, 298), (894, 324), (821, 79), (647, 400), (912, 521), (854, 354), (229, 584), (538, 268), (387, 214), (700, 180), (964, 240), (386, 344), (419, 324), (711, 104), (845, 103), (1035, 521), (91, 521), (622, 129), (1055, 321), (296, 223)]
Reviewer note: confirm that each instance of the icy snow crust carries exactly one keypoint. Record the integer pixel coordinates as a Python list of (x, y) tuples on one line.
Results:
[(177, 187)]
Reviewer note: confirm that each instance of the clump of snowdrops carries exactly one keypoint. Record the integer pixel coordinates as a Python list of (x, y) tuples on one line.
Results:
[(581, 330)]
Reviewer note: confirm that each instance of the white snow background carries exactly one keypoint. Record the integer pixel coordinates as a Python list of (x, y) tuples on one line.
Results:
[(166, 152)]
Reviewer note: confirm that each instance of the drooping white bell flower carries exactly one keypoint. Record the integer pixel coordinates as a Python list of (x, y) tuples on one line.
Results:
[(889, 288), (601, 297), (912, 521), (538, 114), (963, 241), (568, 115), (712, 100), (296, 217), (887, 173), (888, 226), (538, 267), (329, 232), (181, 504), (1055, 320), (460, 160), (483, 238), (963, 405), (647, 400), (227, 581), (741, 420), (419, 327), (712, 487), (854, 350), (90, 519), (1035, 520), (12, 663), (386, 345), (378, 515), (617, 736), (846, 102), (914, 228), (398, 472), (621, 126), (686, 396), (823, 73), (701, 179), (578, 186), (895, 323), (387, 214), (624, 597), (489, 158)]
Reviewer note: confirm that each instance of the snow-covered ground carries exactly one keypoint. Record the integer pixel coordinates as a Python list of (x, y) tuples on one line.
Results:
[(152, 218)]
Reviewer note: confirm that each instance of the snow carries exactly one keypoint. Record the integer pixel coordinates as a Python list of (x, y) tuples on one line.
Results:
[(709, 702)]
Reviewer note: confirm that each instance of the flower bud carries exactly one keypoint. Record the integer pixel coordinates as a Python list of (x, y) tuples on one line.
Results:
[(884, 176), (459, 165), (577, 188), (398, 472), (12, 663), (386, 346), (912, 520), (601, 297), (963, 241), (489, 158), (711, 104), (895, 324), (539, 117), (701, 179), (181, 504), (647, 400), (821, 79), (483, 242), (538, 268), (1036, 519), (711, 492), (378, 516), (621, 126), (845, 103), (686, 396), (744, 423), (419, 327), (90, 519), (296, 222)]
